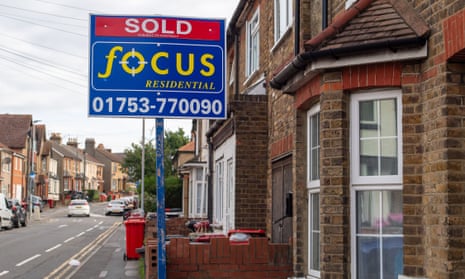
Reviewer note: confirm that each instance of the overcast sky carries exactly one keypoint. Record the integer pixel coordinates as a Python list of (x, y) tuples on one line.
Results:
[(44, 63)]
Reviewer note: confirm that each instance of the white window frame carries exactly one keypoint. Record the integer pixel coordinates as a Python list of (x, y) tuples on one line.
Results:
[(353, 217), (313, 186), (219, 192), (370, 183), (253, 44), (198, 205), (349, 3), (283, 15), (355, 136)]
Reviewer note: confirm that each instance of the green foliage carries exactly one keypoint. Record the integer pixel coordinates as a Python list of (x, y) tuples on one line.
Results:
[(93, 195), (173, 192), (133, 159), (173, 185)]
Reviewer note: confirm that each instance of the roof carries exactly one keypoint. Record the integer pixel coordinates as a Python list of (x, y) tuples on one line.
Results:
[(14, 129), (368, 25), (189, 147), (370, 22), (113, 157)]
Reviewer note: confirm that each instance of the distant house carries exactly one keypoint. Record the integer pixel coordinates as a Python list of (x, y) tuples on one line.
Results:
[(184, 157), (114, 180), (15, 134)]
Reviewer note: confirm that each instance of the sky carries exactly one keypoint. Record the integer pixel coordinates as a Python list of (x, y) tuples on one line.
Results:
[(44, 64)]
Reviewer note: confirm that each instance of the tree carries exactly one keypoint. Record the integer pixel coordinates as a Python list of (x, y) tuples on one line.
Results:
[(133, 159), (173, 184)]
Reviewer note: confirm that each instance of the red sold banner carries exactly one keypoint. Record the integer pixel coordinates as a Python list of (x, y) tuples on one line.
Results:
[(157, 27)]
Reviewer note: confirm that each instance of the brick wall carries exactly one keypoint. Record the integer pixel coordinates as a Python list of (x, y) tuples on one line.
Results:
[(221, 259), (251, 127), (334, 178)]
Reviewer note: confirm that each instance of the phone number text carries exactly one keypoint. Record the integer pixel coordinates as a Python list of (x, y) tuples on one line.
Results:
[(160, 106)]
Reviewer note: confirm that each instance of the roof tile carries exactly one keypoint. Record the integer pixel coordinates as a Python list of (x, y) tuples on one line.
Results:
[(370, 22)]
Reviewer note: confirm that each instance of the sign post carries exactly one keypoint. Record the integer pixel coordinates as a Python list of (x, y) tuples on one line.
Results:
[(157, 67), (161, 229)]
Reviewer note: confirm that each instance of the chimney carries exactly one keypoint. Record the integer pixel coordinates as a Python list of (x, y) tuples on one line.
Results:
[(72, 142), (56, 138), (90, 146)]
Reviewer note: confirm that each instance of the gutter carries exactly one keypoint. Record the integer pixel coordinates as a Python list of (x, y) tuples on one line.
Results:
[(301, 61)]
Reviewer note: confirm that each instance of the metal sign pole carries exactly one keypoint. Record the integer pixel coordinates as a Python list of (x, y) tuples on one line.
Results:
[(161, 199)]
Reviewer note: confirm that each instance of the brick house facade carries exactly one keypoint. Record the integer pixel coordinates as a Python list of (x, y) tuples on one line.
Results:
[(365, 134), (398, 91)]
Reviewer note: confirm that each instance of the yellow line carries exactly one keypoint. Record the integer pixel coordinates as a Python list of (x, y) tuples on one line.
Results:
[(65, 266)]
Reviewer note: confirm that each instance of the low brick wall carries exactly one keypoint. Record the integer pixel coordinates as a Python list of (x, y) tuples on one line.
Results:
[(174, 226), (221, 259)]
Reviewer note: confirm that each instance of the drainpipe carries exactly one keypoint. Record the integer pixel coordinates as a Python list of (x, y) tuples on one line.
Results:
[(236, 61), (324, 14), (297, 28)]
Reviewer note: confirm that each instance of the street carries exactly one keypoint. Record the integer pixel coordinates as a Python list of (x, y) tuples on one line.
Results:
[(53, 245)]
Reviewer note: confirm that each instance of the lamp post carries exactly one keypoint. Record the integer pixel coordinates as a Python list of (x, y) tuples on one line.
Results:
[(32, 173)]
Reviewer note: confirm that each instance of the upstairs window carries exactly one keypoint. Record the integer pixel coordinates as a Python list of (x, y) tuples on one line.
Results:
[(253, 44), (376, 138), (283, 17)]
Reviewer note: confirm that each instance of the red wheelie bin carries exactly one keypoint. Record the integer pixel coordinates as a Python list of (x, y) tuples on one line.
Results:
[(135, 228)]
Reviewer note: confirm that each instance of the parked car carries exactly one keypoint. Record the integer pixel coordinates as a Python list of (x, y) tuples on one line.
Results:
[(115, 207), (19, 212), (78, 207), (129, 201), (6, 215)]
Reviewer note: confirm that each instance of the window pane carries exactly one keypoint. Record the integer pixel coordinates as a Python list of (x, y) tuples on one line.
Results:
[(378, 137), (392, 257), (389, 157), (392, 212), (314, 145), (315, 232), (368, 212), (388, 116), (379, 234), (315, 164), (368, 258), (369, 157)]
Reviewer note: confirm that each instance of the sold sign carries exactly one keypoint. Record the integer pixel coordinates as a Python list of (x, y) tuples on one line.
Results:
[(157, 66)]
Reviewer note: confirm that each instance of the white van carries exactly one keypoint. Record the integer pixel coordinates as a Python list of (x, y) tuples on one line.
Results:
[(6, 221)]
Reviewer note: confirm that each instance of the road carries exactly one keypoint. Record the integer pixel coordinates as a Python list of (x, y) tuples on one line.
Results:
[(55, 246)]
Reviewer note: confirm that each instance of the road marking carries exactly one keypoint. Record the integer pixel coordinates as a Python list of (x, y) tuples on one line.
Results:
[(89, 229), (62, 226), (5, 272), (83, 255), (28, 260), (103, 274), (69, 239), (53, 248), (80, 234)]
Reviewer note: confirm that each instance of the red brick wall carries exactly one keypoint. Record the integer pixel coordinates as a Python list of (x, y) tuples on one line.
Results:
[(221, 259)]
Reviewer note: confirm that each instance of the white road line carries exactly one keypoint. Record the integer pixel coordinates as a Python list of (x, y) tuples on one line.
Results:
[(80, 234), (5, 272), (28, 260), (89, 229), (69, 239), (62, 226), (53, 248), (103, 274)]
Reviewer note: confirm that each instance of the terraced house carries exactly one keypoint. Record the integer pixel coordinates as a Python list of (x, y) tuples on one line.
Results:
[(365, 134), (378, 139)]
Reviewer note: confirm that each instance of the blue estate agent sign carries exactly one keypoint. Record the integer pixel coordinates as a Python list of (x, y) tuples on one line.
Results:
[(143, 66)]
